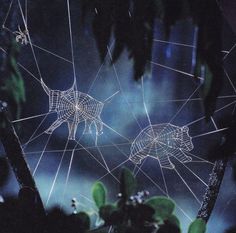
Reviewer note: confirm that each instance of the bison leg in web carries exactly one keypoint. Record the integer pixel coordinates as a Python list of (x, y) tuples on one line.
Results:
[(136, 158), (180, 155), (54, 125), (99, 126), (165, 161), (72, 126), (87, 128)]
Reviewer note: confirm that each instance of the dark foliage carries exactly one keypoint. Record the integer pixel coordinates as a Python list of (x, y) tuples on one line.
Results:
[(11, 83), (102, 25), (130, 214), (168, 227), (4, 171), (56, 215), (172, 12), (132, 23), (16, 217), (234, 169), (135, 212), (209, 46), (12, 86), (231, 230)]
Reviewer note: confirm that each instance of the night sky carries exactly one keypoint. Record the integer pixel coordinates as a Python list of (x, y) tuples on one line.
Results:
[(165, 94)]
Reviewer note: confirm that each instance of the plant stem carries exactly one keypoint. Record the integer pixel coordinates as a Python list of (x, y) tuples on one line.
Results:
[(212, 190)]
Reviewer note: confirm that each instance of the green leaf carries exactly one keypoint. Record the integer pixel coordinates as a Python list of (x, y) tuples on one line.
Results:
[(197, 226), (174, 220), (127, 183), (163, 207), (106, 211), (99, 194)]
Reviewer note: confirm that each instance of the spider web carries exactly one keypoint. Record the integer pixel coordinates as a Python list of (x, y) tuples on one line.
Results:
[(159, 142)]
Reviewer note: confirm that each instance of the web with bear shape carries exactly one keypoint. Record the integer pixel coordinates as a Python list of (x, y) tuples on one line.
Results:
[(159, 142), (162, 141)]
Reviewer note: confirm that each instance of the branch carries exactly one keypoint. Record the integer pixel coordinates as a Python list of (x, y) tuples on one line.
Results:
[(221, 154), (212, 190), (28, 194)]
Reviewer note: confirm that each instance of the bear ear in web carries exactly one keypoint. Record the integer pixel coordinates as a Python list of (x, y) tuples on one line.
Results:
[(185, 129)]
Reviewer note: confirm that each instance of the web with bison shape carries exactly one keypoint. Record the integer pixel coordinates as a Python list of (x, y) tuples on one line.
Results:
[(161, 142), (74, 107)]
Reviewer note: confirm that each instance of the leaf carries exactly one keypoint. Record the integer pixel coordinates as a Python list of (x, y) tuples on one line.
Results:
[(197, 226), (159, 8), (168, 227), (163, 207), (86, 5), (142, 36), (99, 194), (209, 47), (102, 25), (4, 171), (122, 28), (174, 220), (106, 211), (84, 220), (173, 12), (81, 221), (234, 170), (141, 213), (132, 24), (127, 183), (13, 84)]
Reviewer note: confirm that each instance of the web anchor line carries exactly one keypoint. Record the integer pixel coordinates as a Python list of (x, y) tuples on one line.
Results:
[(199, 202), (57, 173), (70, 150), (184, 45), (97, 161), (41, 156), (69, 171)]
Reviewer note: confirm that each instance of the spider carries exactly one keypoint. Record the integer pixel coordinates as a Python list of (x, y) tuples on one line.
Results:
[(21, 36)]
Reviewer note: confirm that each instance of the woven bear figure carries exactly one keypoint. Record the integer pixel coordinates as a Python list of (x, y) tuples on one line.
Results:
[(161, 141)]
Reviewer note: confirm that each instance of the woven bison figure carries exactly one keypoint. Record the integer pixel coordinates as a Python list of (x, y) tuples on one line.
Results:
[(74, 107)]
